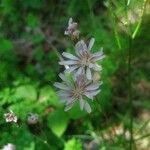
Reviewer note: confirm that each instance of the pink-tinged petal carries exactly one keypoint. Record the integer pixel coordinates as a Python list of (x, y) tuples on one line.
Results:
[(61, 86), (91, 43), (70, 56), (87, 107), (68, 62), (81, 47), (82, 102), (88, 74)]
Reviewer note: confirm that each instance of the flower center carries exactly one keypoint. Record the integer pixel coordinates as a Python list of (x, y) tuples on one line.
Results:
[(85, 60), (77, 92)]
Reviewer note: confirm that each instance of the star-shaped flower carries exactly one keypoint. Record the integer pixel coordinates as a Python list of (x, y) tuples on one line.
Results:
[(77, 90), (84, 62)]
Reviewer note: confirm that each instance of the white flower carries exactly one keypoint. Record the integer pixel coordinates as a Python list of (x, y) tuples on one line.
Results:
[(10, 117), (77, 90), (72, 29), (9, 146), (32, 118), (84, 61)]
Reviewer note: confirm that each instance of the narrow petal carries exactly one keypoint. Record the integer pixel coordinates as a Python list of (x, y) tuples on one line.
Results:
[(81, 47), (79, 71), (88, 74), (68, 62), (87, 107), (91, 93), (96, 58), (70, 56), (71, 69), (62, 76), (93, 86), (61, 86), (99, 53), (88, 95), (63, 94), (70, 21), (91, 43), (96, 67), (69, 105), (82, 102)]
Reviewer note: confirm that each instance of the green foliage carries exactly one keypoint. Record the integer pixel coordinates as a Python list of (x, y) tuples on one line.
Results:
[(73, 144), (31, 32), (58, 122)]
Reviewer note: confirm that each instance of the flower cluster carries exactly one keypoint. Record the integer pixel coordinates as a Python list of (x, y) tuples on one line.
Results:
[(81, 67), (72, 30), (32, 118), (10, 117), (9, 146)]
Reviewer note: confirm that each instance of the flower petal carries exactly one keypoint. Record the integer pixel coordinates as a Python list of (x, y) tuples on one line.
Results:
[(61, 86), (93, 86), (70, 21), (88, 74), (87, 107), (69, 106), (62, 76), (71, 69), (81, 47), (79, 71), (70, 56), (96, 58), (91, 43), (68, 62), (96, 67), (82, 102)]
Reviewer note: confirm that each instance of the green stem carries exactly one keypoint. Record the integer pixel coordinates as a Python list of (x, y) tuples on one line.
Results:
[(140, 21), (130, 101), (130, 94)]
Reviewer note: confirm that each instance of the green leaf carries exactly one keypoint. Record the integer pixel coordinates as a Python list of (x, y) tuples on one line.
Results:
[(58, 122), (26, 92), (73, 144)]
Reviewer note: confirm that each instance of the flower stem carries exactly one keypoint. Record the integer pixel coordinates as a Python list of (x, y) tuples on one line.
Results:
[(130, 94)]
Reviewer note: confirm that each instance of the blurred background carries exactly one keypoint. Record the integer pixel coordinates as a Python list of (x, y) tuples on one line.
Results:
[(32, 36)]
